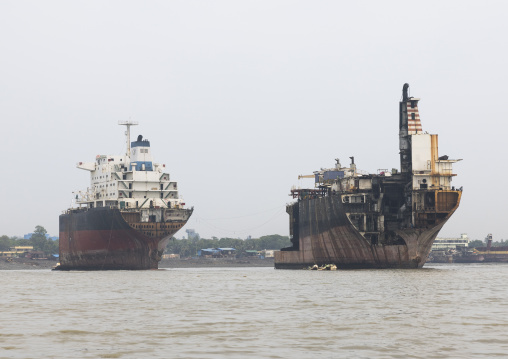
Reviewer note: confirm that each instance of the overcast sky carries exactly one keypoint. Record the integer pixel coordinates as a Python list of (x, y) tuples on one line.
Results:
[(240, 97)]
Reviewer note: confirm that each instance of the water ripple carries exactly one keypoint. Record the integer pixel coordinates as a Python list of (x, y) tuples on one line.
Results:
[(441, 311)]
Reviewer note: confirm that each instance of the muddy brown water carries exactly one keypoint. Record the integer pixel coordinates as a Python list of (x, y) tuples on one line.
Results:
[(440, 311)]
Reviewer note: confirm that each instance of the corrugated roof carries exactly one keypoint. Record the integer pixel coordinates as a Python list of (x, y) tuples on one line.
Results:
[(212, 250)]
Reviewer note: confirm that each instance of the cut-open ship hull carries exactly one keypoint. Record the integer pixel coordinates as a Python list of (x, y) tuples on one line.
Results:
[(326, 236), (384, 220)]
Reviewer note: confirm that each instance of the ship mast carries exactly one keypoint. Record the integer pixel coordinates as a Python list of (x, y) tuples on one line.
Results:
[(128, 124)]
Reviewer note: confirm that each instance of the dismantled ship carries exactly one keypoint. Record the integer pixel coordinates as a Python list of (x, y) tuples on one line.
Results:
[(127, 216), (483, 254), (384, 220)]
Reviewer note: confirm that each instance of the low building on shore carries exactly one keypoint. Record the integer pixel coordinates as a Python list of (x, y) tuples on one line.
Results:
[(217, 253), (22, 252), (268, 253), (251, 253), (444, 244)]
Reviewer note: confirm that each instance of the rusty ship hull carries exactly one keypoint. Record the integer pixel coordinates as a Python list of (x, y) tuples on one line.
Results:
[(102, 239), (390, 219), (323, 235)]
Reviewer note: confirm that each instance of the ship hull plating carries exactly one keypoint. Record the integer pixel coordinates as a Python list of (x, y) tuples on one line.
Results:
[(101, 239), (324, 235)]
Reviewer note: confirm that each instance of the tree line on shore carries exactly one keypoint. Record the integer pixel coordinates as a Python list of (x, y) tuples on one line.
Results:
[(38, 241), (190, 247), (183, 247), (479, 243)]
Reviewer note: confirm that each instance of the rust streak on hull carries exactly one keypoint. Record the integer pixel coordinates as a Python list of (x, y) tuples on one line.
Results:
[(100, 239)]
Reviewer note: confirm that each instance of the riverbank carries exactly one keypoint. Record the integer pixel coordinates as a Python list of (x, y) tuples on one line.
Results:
[(215, 262), (25, 263), (30, 264)]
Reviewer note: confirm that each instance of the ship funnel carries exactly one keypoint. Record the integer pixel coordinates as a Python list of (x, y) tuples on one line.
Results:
[(409, 124), (489, 241), (404, 92)]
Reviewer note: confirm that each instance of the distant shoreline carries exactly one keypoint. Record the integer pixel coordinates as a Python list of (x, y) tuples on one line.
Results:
[(215, 262), (39, 264), (25, 264)]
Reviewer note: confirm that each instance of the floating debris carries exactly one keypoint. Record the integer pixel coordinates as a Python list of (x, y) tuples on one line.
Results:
[(325, 267)]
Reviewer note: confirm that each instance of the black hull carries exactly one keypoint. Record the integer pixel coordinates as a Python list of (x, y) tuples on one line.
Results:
[(101, 239)]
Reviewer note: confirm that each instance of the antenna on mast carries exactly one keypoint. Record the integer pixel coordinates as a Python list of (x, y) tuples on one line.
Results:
[(128, 124)]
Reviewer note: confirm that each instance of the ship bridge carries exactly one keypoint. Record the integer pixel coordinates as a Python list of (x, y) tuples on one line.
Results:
[(141, 156), (129, 182)]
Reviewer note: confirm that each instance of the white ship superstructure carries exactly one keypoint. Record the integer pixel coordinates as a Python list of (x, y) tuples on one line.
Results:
[(131, 181)]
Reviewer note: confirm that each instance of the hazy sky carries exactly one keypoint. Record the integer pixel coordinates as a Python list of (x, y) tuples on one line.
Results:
[(240, 97)]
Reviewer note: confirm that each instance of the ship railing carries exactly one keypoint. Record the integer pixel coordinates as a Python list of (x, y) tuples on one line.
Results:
[(425, 208), (74, 210)]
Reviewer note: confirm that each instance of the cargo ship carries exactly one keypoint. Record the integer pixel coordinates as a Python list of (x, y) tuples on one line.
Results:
[(126, 217), (487, 254), (384, 220)]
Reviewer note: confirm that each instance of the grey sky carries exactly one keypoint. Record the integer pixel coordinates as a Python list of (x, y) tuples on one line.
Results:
[(240, 97)]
